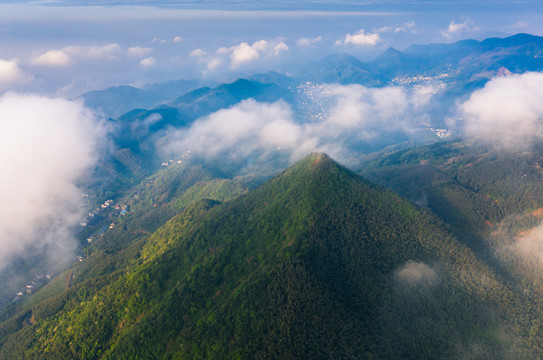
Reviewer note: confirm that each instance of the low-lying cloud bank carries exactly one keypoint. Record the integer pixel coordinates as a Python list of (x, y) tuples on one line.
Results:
[(507, 112), (46, 145), (238, 131), (353, 117)]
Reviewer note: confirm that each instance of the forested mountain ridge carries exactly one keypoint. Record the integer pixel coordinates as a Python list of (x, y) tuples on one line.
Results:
[(315, 263)]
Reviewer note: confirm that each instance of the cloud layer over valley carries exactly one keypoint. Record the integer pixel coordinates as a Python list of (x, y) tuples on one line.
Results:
[(353, 117), (46, 145)]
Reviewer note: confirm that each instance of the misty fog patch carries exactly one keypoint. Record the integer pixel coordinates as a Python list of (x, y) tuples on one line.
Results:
[(416, 274), (141, 128), (529, 246), (422, 201)]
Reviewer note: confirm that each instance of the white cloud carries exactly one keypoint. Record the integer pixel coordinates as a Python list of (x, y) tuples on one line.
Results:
[(507, 112), (362, 113), (102, 52), (198, 53), (12, 75), (278, 48), (240, 130), (245, 53), (454, 29), (360, 38), (177, 39), (214, 63), (384, 29), (71, 54), (46, 145), (521, 24), (52, 58), (408, 27), (261, 45), (303, 42), (148, 62), (138, 51), (106, 52), (160, 41), (223, 50)]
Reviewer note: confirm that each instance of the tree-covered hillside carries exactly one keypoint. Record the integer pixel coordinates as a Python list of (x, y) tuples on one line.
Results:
[(315, 263)]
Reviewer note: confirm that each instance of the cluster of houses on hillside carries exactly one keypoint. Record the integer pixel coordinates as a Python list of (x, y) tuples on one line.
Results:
[(103, 216), (108, 208), (443, 79), (184, 156), (33, 285), (441, 133)]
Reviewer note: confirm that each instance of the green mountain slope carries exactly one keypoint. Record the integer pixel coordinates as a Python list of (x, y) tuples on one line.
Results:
[(468, 186), (492, 200), (315, 263)]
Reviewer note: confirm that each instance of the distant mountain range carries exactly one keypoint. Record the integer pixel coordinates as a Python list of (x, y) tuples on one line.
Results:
[(117, 100), (203, 101), (465, 65), (342, 69)]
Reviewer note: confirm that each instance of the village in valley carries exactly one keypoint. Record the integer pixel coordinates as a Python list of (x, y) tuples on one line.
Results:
[(95, 223), (103, 217)]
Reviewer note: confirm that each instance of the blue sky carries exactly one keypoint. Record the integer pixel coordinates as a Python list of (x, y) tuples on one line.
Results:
[(67, 47)]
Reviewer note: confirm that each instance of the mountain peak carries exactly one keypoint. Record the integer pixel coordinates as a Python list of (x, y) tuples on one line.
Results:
[(317, 157), (392, 51), (340, 57), (340, 68), (313, 162), (313, 178)]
